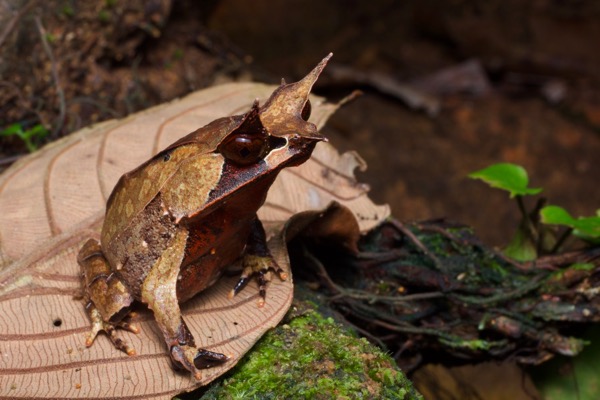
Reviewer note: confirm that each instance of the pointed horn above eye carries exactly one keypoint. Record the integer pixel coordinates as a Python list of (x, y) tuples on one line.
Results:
[(250, 121), (289, 99), (306, 84)]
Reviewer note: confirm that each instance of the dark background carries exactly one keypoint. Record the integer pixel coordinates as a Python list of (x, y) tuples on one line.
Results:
[(449, 86), (511, 81)]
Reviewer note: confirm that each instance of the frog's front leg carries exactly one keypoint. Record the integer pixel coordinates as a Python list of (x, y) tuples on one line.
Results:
[(107, 299), (257, 261), (159, 292)]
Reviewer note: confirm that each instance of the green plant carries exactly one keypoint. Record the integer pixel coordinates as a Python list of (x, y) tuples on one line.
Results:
[(535, 234), (510, 177), (587, 228), (31, 136)]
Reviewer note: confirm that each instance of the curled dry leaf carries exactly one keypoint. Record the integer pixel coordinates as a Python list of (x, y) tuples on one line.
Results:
[(53, 200)]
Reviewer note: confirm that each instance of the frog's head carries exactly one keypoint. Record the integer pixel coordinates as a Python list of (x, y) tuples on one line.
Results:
[(277, 133), (243, 149)]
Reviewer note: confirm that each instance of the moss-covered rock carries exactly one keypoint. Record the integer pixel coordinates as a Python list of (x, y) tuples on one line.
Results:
[(314, 357)]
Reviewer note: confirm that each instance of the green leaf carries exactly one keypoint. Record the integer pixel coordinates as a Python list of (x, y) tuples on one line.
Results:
[(556, 215), (586, 227), (38, 130), (14, 129), (506, 176), (30, 137)]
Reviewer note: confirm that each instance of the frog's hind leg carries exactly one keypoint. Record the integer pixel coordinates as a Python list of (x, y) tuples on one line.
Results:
[(159, 292), (107, 299), (257, 261)]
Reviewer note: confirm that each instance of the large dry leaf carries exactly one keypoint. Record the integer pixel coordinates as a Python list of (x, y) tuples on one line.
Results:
[(54, 200)]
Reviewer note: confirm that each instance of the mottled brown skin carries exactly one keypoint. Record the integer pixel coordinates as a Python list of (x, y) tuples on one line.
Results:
[(174, 223)]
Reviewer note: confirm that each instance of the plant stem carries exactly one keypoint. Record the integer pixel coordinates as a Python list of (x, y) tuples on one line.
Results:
[(528, 224), (565, 235)]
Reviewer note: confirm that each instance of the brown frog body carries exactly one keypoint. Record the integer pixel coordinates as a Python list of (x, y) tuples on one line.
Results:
[(173, 224)]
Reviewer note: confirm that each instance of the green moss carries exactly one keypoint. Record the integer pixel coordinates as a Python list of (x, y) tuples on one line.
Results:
[(315, 358)]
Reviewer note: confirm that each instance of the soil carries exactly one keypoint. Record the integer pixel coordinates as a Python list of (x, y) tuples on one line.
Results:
[(448, 87)]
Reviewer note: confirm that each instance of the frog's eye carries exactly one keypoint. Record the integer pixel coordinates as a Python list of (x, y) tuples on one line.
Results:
[(306, 110), (244, 149)]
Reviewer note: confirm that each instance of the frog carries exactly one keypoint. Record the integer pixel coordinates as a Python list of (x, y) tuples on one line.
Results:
[(175, 223)]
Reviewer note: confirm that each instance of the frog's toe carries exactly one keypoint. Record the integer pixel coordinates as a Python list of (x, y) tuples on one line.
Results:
[(263, 277), (207, 359), (192, 359), (260, 267), (110, 330), (128, 326), (119, 343), (182, 357), (92, 334), (98, 325)]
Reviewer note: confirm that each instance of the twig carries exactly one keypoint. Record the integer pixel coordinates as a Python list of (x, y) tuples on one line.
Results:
[(366, 333), (520, 316), (59, 90), (97, 104), (411, 96), (518, 292), (556, 260), (381, 257), (398, 225), (13, 22), (11, 159), (362, 294), (407, 328)]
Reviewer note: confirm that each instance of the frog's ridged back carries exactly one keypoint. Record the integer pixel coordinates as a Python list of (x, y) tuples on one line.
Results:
[(137, 188)]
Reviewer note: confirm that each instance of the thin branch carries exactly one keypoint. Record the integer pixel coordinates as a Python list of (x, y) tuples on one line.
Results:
[(367, 334), (381, 257), (398, 225), (59, 90), (8, 28), (557, 260), (503, 296), (11, 159), (362, 294), (97, 104)]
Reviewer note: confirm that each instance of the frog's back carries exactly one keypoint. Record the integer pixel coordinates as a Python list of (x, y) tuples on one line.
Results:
[(137, 188)]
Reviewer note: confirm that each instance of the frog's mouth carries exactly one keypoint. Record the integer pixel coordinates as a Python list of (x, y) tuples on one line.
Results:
[(292, 150)]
